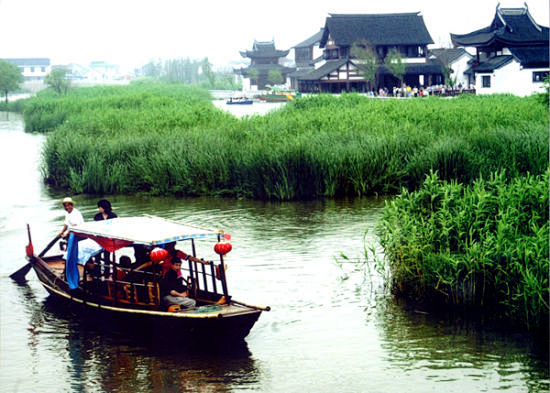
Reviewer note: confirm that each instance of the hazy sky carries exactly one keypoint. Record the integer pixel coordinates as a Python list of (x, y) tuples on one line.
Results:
[(130, 32)]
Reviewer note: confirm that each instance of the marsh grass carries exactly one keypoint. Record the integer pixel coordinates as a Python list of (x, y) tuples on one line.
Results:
[(481, 245), (164, 139)]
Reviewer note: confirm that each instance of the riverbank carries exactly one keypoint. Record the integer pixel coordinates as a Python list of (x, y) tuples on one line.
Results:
[(171, 140)]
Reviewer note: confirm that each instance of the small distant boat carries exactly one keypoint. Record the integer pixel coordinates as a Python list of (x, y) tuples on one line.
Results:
[(277, 97), (239, 101)]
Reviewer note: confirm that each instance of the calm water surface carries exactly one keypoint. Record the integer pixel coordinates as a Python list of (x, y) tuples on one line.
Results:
[(332, 327)]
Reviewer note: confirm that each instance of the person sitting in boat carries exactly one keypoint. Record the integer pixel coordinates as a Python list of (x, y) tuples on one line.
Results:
[(172, 289), (73, 217), (173, 254), (105, 211)]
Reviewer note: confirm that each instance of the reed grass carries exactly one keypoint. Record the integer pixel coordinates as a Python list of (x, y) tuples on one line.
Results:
[(163, 139), (481, 245)]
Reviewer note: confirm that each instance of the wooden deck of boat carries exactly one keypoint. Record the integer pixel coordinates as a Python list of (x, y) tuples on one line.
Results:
[(58, 267)]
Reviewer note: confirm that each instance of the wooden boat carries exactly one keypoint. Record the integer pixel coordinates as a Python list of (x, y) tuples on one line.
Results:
[(134, 295), (239, 101), (277, 97)]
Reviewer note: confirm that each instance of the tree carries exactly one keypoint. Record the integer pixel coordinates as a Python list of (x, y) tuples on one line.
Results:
[(57, 81), (10, 77), (174, 70), (208, 72), (275, 77), (367, 61), (152, 69), (445, 61), (253, 74), (395, 65)]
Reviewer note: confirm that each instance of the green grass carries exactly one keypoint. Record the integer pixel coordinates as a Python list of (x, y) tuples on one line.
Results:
[(169, 139), (482, 245)]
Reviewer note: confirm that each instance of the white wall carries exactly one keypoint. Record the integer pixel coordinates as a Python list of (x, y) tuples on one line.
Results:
[(35, 72), (458, 68), (317, 52), (511, 79)]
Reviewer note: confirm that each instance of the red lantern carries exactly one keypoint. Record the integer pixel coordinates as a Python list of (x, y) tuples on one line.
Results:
[(159, 254), (223, 248), (30, 250)]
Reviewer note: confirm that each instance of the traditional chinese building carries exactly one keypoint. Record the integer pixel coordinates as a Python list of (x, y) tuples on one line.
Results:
[(306, 55), (511, 53), (339, 71), (264, 58)]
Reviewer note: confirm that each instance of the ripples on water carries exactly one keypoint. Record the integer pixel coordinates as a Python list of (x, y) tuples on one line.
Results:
[(331, 329)]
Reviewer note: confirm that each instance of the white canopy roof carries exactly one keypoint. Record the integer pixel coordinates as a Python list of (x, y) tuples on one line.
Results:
[(142, 230)]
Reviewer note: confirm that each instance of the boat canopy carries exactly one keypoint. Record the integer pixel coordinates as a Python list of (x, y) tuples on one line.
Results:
[(116, 233)]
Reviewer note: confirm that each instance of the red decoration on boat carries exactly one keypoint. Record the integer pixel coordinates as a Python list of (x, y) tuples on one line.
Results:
[(223, 248), (29, 249), (159, 254)]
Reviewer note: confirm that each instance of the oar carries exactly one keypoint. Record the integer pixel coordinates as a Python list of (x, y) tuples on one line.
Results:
[(21, 273)]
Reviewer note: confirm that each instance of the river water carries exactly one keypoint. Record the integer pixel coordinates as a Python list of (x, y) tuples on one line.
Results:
[(332, 327)]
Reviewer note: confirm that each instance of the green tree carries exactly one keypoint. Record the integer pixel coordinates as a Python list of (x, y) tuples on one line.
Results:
[(174, 70), (275, 77), (253, 74), (208, 72), (152, 69), (445, 61), (367, 61), (395, 65), (57, 81), (10, 77)]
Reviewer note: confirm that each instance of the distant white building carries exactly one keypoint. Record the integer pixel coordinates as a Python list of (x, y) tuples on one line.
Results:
[(33, 69), (512, 53)]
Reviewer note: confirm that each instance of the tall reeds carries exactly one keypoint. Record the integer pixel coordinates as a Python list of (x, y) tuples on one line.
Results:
[(484, 244), (171, 140)]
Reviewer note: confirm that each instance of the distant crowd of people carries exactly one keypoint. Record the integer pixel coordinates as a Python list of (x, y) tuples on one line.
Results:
[(408, 91)]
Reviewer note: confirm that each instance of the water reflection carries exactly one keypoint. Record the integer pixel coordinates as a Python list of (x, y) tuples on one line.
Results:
[(103, 357), (451, 348)]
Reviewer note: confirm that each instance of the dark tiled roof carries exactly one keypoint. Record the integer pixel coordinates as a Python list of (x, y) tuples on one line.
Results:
[(36, 61), (532, 57), (492, 63), (511, 26), (298, 74), (377, 29), (265, 68), (325, 69), (314, 39), (448, 55), (430, 67), (263, 50)]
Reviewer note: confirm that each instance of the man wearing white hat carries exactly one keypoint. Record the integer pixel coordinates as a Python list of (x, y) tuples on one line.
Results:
[(72, 216)]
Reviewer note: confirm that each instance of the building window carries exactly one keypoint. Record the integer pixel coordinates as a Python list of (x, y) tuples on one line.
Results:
[(540, 76), (331, 54), (43, 69), (412, 51), (486, 81)]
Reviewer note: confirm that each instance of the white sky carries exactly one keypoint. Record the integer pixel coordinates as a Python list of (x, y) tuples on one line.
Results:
[(130, 32)]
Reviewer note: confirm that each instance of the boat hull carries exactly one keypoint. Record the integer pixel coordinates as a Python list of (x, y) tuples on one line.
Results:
[(239, 102), (231, 321)]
